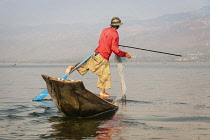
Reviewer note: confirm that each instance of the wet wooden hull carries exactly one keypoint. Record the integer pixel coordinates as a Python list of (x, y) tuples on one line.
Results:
[(73, 99)]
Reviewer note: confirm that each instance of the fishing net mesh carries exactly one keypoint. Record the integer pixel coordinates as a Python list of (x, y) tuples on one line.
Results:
[(119, 61)]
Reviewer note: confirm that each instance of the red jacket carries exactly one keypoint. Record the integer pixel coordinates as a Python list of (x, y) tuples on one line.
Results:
[(108, 43)]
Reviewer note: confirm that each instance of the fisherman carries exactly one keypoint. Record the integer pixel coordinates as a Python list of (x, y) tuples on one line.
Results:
[(99, 62)]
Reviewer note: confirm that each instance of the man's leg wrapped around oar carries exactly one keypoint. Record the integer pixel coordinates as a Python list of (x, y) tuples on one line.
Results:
[(99, 66)]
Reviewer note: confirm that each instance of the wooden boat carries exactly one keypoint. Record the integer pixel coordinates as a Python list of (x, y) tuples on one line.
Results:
[(12, 64), (73, 99)]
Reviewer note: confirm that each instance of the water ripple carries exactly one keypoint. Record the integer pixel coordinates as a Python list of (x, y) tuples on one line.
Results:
[(136, 101), (182, 119)]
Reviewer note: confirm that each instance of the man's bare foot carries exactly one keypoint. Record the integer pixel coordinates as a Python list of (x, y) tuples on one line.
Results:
[(104, 95), (69, 69)]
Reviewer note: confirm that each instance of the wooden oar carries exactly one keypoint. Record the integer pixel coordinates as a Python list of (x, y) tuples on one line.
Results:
[(150, 50), (45, 92)]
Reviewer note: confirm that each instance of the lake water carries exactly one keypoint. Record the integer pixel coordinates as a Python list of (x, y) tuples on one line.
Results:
[(164, 101)]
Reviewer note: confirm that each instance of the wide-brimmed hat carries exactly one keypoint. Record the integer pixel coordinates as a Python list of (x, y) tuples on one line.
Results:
[(116, 21)]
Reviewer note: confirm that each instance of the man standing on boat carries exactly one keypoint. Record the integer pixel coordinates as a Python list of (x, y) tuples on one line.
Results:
[(99, 62)]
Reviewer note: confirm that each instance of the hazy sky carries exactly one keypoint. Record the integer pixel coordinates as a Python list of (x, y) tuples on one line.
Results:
[(34, 12)]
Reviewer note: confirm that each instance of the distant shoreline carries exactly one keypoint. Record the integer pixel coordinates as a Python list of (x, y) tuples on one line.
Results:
[(11, 64)]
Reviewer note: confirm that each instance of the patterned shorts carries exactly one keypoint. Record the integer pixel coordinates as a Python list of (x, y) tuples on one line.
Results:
[(101, 67)]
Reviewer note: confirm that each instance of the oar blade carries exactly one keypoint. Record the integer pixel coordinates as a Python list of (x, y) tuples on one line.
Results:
[(41, 95), (45, 92), (64, 77)]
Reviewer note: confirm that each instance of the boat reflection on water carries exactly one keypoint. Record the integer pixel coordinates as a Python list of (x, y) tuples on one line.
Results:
[(100, 127), (111, 128), (78, 128)]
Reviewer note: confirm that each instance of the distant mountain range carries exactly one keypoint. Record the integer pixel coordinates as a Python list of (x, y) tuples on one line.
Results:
[(187, 34)]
